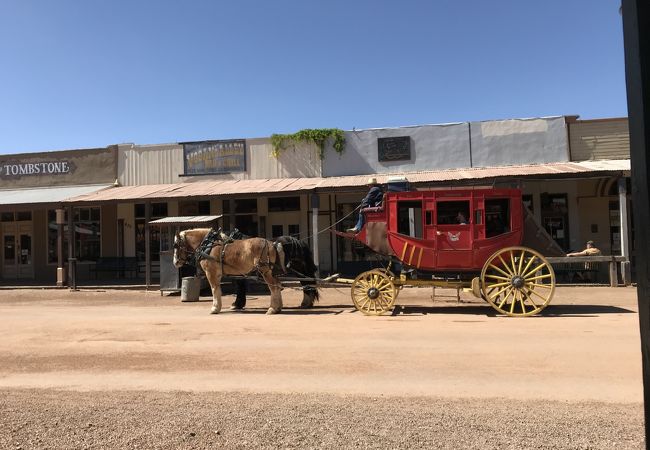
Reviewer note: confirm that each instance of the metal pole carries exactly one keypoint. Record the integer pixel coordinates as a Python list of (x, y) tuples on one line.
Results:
[(626, 273), (314, 220), (60, 271), (636, 37), (71, 245), (147, 244)]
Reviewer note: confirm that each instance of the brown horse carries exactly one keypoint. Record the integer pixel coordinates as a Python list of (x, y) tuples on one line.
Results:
[(238, 258)]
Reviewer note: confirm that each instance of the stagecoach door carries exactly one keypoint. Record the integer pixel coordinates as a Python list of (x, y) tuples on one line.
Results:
[(453, 234)]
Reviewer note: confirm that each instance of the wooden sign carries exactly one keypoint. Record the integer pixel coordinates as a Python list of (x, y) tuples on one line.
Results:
[(394, 148)]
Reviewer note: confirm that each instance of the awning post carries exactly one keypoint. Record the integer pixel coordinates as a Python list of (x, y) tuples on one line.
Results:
[(147, 244), (71, 245), (315, 203), (626, 272), (60, 271)]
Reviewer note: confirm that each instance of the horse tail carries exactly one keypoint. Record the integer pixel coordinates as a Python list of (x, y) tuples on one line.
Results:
[(280, 260)]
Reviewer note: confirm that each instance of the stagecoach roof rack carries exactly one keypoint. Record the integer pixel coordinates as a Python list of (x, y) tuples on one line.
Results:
[(185, 220)]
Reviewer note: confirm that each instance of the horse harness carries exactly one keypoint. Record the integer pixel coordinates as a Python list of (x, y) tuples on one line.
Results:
[(215, 237)]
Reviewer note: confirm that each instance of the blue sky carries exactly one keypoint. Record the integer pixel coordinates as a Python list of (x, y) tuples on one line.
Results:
[(90, 73)]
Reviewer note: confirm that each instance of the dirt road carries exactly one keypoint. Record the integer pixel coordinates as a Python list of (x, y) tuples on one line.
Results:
[(68, 351)]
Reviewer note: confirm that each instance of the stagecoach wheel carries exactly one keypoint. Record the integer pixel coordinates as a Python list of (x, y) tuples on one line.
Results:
[(391, 275), (373, 293), (517, 281)]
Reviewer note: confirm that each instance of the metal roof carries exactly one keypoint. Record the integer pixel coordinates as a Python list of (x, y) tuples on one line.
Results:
[(54, 194), (184, 220), (284, 185)]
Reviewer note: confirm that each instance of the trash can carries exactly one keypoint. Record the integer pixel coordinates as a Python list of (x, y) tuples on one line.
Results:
[(190, 288)]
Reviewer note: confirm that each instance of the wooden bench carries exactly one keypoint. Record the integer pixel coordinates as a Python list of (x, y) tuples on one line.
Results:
[(118, 264), (580, 264)]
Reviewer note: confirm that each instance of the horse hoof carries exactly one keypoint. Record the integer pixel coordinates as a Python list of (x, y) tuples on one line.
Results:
[(272, 311), (215, 310)]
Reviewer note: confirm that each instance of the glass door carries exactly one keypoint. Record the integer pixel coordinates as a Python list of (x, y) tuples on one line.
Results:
[(17, 255), (25, 267), (9, 251)]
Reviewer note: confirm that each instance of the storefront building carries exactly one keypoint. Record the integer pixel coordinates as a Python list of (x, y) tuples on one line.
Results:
[(573, 174), (32, 187)]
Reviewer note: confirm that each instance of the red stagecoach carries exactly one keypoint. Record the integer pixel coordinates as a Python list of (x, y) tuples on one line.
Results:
[(457, 238)]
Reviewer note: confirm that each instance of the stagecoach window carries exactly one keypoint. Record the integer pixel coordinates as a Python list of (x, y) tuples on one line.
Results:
[(497, 216), (409, 218), (478, 217), (429, 217), (7, 217), (453, 212)]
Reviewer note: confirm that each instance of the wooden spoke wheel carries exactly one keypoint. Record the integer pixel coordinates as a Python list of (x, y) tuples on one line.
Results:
[(391, 275), (373, 292), (517, 281)]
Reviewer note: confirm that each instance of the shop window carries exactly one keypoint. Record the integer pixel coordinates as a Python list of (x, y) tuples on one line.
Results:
[(528, 202), (284, 204), (497, 216), (87, 233), (453, 212), (23, 215), (247, 224), (52, 234), (201, 208), (409, 218), (294, 230), (158, 211), (246, 206), (276, 231), (555, 217), (350, 250)]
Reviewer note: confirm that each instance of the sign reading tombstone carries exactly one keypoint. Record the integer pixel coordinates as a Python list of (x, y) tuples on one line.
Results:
[(394, 148), (17, 169), (214, 157)]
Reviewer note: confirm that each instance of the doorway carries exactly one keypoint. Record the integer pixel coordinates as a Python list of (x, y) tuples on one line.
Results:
[(17, 252)]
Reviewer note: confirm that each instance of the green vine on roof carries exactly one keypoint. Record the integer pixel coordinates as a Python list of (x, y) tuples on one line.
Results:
[(318, 136)]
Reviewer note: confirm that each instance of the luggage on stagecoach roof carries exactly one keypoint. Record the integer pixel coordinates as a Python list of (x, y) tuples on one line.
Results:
[(397, 184)]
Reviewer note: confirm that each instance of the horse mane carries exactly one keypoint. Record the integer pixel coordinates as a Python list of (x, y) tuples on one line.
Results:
[(295, 248)]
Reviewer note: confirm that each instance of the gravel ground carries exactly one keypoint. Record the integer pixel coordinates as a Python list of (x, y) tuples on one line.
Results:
[(52, 419)]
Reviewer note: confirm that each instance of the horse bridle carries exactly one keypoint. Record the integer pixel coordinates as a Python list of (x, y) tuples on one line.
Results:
[(187, 257), (196, 255)]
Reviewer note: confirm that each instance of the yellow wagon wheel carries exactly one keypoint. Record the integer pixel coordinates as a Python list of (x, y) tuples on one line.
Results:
[(391, 275), (373, 292), (517, 281)]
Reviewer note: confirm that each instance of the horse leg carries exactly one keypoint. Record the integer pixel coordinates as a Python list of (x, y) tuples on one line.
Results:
[(214, 278), (275, 288), (309, 295), (240, 300)]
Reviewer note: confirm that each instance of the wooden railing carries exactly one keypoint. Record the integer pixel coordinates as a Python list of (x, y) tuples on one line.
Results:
[(585, 260)]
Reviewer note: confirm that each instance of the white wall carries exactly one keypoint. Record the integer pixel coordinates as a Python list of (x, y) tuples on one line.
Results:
[(462, 145)]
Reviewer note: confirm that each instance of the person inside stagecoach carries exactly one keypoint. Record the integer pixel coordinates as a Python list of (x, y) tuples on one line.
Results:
[(373, 198), (461, 219)]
